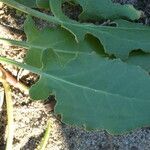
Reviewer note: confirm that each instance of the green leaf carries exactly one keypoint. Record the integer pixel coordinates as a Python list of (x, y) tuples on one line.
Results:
[(102, 94), (118, 41), (98, 9), (59, 39), (110, 89), (35, 3), (114, 91), (42, 4), (111, 95), (140, 59), (29, 3), (37, 43)]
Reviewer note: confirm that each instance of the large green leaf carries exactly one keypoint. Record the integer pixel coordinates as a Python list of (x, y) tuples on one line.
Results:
[(109, 89), (102, 93), (63, 43), (97, 9), (120, 40), (59, 40), (119, 95)]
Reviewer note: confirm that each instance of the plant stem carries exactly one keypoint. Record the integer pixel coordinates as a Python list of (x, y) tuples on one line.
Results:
[(14, 42), (30, 11), (21, 65), (46, 137), (9, 104)]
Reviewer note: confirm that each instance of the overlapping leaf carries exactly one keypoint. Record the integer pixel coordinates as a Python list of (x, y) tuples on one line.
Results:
[(110, 95), (63, 43), (94, 9), (123, 39), (120, 40), (110, 89), (97, 9), (59, 39)]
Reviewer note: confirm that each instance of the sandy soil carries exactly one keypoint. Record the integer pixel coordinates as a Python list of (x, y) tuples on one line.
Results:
[(31, 117)]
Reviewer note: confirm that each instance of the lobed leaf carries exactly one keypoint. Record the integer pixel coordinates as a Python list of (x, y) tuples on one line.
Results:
[(110, 89), (29, 3), (100, 9), (106, 9), (59, 39), (118, 41), (123, 39), (117, 95)]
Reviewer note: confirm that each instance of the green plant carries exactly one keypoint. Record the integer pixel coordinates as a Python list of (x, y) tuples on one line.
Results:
[(29, 3), (96, 81)]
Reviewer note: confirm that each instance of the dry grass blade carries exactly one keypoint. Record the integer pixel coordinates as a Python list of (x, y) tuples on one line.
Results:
[(9, 103), (13, 81)]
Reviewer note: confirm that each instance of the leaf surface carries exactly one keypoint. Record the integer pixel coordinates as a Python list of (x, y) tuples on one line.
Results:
[(100, 9), (106, 9), (110, 89), (118, 99), (123, 39), (63, 43), (68, 48), (118, 41), (140, 59), (42, 4), (59, 39), (29, 3), (110, 98)]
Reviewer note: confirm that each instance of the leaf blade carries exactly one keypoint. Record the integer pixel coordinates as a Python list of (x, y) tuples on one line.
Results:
[(124, 39), (106, 9), (110, 95)]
